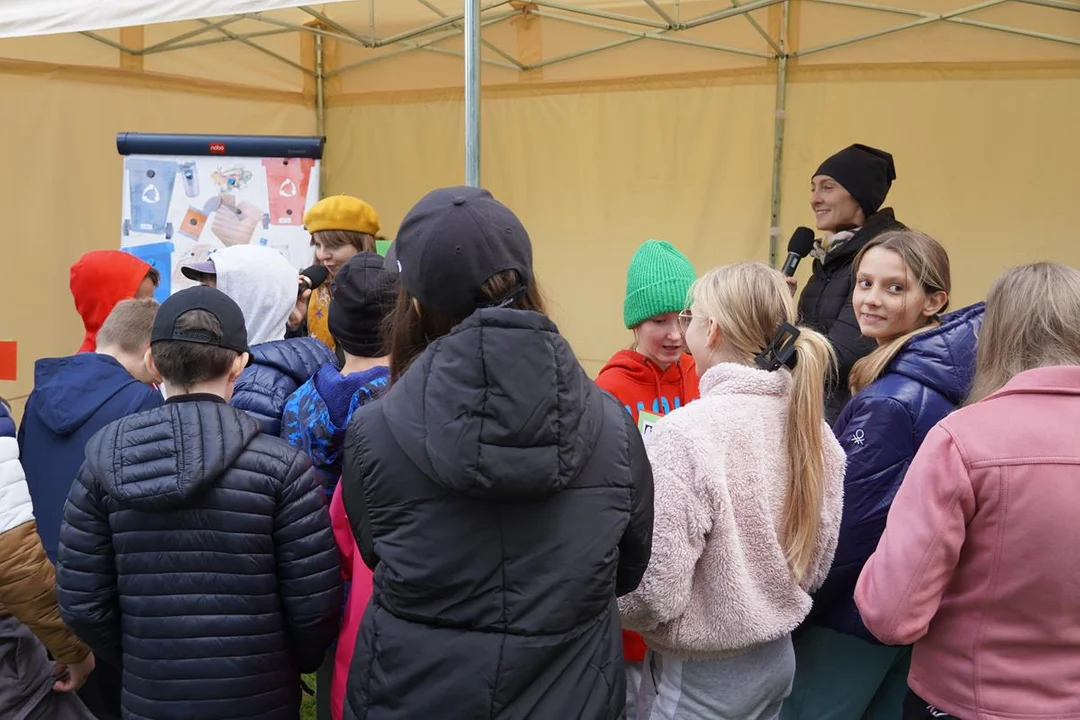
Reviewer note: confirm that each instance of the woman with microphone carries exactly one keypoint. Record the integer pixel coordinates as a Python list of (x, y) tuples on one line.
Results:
[(341, 226), (846, 194)]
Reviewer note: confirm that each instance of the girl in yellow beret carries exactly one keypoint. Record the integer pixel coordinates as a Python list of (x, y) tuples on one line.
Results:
[(340, 226)]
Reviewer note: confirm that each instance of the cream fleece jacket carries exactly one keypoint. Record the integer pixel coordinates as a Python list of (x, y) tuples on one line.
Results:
[(718, 582)]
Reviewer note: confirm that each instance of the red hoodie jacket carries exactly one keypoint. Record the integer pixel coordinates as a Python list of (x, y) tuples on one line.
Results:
[(99, 280), (639, 384)]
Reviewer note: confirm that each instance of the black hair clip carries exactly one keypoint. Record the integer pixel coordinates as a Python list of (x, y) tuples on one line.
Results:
[(780, 352)]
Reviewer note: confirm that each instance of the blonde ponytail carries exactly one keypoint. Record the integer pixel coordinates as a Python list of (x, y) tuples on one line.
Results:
[(754, 310), (815, 358)]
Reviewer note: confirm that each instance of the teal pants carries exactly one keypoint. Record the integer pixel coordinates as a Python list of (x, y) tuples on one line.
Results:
[(840, 677)]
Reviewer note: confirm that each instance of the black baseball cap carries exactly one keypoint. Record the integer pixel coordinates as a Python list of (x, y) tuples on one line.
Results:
[(452, 242), (233, 334)]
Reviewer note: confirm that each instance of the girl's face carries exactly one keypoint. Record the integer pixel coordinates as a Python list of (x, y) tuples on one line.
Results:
[(834, 207), (332, 258), (699, 332), (888, 299), (660, 339)]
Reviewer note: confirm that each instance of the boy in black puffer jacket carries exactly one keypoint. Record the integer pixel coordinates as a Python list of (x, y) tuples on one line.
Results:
[(196, 550)]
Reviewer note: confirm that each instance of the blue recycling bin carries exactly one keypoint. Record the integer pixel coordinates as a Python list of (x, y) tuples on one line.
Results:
[(158, 255), (150, 189)]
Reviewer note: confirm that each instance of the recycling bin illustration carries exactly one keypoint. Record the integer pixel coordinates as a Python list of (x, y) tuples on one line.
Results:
[(150, 188), (287, 188), (190, 178), (234, 224), (158, 255)]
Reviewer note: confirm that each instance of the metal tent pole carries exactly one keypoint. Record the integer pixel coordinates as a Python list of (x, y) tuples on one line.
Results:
[(778, 135), (320, 107), (472, 93)]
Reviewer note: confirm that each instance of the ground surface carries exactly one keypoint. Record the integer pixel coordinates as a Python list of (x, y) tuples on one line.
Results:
[(307, 707)]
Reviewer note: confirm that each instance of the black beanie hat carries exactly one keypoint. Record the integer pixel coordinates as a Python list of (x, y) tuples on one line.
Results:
[(363, 294), (865, 172)]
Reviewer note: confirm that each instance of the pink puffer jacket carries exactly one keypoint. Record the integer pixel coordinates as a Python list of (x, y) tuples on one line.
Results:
[(354, 571)]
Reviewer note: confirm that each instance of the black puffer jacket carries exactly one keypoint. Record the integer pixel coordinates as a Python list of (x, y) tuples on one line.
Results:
[(825, 306), (502, 500), (199, 553)]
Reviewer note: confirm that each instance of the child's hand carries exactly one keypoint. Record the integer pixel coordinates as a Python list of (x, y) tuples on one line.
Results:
[(299, 311), (71, 677)]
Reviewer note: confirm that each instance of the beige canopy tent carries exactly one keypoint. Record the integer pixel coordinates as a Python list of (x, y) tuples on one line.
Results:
[(603, 123)]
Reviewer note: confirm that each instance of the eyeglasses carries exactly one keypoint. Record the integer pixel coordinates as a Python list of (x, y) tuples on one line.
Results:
[(685, 318)]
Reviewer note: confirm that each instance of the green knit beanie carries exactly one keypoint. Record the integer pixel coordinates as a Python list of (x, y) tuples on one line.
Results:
[(657, 282)]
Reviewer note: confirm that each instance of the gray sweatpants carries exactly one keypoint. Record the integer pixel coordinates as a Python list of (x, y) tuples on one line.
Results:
[(749, 686)]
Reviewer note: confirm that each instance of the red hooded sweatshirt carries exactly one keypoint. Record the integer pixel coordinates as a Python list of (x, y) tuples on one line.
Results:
[(99, 280), (639, 384)]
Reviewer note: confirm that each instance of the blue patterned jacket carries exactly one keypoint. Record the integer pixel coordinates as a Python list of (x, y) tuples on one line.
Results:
[(318, 413)]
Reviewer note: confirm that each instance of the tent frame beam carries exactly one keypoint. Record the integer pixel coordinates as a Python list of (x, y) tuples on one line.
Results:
[(458, 26), (259, 48), (926, 18), (603, 14), (663, 29), (641, 35)]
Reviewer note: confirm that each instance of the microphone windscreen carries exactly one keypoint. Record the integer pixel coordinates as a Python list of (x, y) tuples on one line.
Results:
[(317, 274), (801, 242)]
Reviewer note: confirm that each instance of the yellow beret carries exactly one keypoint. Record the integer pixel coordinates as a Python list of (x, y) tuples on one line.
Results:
[(342, 212)]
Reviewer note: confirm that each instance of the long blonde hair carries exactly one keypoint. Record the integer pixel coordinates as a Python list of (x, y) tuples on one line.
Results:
[(929, 264), (750, 302), (1032, 320)]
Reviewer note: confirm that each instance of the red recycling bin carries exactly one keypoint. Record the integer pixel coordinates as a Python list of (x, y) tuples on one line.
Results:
[(287, 187)]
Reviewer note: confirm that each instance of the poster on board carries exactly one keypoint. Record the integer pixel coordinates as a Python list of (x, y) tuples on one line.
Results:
[(187, 196)]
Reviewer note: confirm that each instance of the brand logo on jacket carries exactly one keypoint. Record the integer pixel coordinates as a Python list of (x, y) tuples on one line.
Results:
[(858, 437)]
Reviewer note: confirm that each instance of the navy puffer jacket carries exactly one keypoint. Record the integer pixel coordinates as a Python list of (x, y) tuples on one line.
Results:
[(503, 501), (199, 553), (881, 429), (277, 369)]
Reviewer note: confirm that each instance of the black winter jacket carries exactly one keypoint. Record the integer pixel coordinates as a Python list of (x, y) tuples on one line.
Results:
[(198, 553), (503, 501), (277, 369), (825, 306)]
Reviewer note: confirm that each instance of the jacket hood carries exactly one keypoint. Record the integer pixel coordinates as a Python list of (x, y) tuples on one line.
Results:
[(499, 407), (296, 358), (156, 460), (263, 283), (70, 390), (99, 280), (944, 358)]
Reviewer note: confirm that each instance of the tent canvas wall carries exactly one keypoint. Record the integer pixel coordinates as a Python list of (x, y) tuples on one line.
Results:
[(603, 123)]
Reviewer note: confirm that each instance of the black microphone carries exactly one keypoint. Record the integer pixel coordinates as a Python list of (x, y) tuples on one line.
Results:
[(315, 276), (798, 247)]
